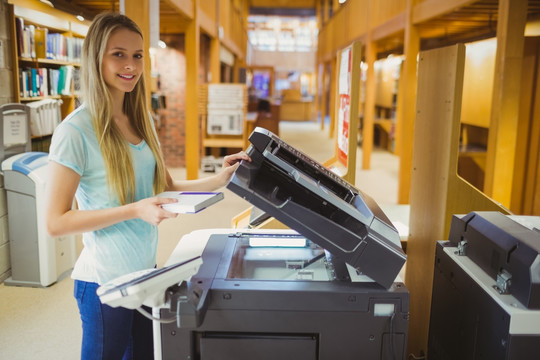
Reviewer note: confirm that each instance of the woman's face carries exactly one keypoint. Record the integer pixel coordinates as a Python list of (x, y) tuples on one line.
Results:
[(123, 63)]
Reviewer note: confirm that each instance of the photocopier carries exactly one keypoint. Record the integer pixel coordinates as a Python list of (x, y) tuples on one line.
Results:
[(486, 289), (327, 288)]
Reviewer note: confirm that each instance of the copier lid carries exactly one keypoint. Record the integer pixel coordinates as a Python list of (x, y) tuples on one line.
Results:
[(307, 197), (25, 163)]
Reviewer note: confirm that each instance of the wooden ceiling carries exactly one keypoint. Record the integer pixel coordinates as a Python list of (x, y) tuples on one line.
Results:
[(92, 7), (476, 20), (305, 4)]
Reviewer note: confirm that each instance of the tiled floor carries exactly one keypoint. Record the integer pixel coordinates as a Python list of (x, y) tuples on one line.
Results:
[(44, 323)]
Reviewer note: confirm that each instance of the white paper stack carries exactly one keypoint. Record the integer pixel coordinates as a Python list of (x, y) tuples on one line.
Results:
[(45, 115), (226, 109)]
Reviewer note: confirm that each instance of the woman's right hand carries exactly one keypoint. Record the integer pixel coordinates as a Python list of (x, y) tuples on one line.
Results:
[(150, 210)]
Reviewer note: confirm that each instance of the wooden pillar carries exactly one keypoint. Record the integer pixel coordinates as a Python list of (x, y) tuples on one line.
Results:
[(193, 134), (215, 64), (319, 14), (316, 98), (320, 91), (369, 106), (325, 16), (406, 105), (503, 127), (333, 89), (324, 95), (138, 11)]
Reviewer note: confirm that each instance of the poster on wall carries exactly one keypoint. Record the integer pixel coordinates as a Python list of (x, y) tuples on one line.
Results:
[(344, 103)]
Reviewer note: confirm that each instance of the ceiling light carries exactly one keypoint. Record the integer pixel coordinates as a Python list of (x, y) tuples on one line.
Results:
[(80, 17), (47, 2)]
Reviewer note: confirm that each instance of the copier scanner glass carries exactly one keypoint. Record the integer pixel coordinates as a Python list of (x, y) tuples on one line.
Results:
[(289, 258)]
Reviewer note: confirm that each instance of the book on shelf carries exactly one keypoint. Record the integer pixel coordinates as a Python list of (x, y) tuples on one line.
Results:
[(35, 82), (53, 82), (19, 28), (190, 202), (68, 77), (40, 42), (32, 40), (25, 43), (76, 81)]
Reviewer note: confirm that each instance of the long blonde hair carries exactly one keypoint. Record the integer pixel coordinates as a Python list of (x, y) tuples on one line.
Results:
[(114, 148)]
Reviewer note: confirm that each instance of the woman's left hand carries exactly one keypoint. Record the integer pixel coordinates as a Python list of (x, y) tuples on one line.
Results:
[(233, 159), (230, 164)]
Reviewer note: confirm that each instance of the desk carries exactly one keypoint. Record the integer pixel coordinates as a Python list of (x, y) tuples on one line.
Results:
[(296, 110)]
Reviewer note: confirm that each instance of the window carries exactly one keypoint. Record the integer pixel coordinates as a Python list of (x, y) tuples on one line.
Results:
[(280, 33)]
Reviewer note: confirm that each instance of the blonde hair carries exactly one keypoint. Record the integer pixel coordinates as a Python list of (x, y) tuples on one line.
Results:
[(114, 147)]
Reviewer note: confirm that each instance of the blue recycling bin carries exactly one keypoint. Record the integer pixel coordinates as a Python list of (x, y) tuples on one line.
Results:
[(36, 259)]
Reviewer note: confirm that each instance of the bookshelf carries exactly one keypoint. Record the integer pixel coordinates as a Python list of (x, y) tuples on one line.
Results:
[(46, 56)]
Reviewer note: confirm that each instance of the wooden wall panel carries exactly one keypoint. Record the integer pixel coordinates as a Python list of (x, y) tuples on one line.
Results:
[(437, 192), (383, 10), (478, 83), (358, 17)]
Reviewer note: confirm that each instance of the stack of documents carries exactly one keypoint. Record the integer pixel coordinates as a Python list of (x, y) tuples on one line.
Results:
[(45, 115)]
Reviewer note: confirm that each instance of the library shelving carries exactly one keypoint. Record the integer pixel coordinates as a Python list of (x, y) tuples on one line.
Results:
[(46, 57)]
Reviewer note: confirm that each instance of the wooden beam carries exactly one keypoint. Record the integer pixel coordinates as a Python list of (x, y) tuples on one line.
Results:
[(390, 27), (333, 86), (406, 106), (430, 9), (233, 47), (185, 7), (207, 24), (192, 39), (503, 128), (369, 105), (215, 64), (324, 94), (317, 98), (138, 11)]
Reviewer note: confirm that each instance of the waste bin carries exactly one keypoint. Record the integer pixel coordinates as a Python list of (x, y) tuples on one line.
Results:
[(36, 258)]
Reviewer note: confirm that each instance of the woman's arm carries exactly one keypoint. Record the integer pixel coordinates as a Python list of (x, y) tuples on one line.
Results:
[(230, 164), (62, 220)]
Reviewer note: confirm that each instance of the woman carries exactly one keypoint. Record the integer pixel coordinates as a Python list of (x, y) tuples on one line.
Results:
[(106, 155)]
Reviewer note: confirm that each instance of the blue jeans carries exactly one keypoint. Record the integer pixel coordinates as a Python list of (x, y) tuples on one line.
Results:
[(111, 333)]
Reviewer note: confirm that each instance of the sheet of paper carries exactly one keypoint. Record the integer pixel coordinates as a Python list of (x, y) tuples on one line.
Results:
[(15, 129)]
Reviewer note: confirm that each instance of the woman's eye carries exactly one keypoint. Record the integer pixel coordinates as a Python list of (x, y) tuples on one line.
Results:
[(118, 54), (138, 56)]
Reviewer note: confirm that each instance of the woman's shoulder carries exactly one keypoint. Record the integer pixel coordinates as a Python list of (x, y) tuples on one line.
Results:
[(79, 116), (79, 119), (78, 122)]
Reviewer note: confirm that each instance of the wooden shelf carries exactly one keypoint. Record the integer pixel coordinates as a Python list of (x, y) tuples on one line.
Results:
[(33, 15), (223, 142), (40, 61)]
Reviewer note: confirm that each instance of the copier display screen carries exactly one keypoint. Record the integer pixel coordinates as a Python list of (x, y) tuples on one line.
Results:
[(279, 258)]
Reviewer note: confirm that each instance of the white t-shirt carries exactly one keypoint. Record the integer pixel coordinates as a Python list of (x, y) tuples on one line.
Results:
[(124, 247)]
